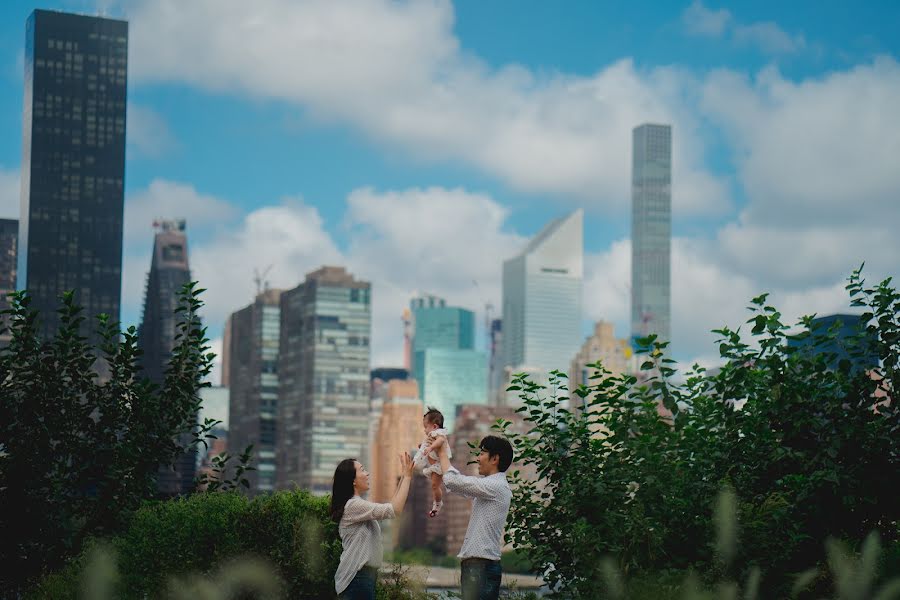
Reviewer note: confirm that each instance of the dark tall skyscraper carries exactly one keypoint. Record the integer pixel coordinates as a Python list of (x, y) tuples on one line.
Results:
[(9, 234), (73, 163), (169, 271)]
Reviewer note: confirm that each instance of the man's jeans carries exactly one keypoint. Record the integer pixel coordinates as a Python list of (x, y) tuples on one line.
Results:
[(363, 585), (480, 579)]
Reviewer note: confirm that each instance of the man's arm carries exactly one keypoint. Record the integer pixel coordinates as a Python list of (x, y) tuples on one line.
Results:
[(464, 485)]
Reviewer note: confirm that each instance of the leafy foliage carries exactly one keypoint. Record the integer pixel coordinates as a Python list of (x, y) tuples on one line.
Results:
[(78, 453), (795, 423), (203, 534)]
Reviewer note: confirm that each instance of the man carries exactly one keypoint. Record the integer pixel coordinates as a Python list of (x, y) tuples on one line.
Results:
[(480, 553)]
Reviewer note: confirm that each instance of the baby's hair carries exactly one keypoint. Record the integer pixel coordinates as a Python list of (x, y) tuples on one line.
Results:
[(434, 416)]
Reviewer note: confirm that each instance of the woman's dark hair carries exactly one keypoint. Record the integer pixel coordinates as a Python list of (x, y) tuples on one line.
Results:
[(342, 488), (498, 446), (434, 416)]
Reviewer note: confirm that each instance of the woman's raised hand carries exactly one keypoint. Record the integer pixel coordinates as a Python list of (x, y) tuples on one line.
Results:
[(406, 464)]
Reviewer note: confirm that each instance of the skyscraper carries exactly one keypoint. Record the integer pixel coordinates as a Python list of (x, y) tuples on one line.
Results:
[(323, 400), (436, 325), (253, 346), (542, 289), (651, 231), (447, 368), (9, 235), (73, 164), (169, 271)]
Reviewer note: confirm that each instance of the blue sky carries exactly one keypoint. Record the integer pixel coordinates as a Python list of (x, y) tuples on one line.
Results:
[(420, 144)]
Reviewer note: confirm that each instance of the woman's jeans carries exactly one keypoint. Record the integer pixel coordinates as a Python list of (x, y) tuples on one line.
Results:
[(363, 585), (480, 579)]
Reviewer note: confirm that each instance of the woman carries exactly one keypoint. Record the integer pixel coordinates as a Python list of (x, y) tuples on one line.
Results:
[(358, 526)]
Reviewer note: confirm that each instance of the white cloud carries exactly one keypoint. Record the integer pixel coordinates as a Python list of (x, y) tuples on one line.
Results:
[(818, 160), (706, 295), (442, 241), (396, 71), (700, 20), (9, 193), (164, 199), (148, 135), (769, 37), (764, 35), (815, 150), (448, 242)]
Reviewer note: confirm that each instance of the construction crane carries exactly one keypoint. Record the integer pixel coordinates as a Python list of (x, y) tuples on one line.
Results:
[(259, 279)]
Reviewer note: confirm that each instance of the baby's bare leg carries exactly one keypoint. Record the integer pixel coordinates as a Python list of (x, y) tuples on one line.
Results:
[(436, 481)]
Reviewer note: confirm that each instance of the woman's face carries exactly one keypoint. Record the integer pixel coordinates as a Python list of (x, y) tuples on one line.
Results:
[(361, 481)]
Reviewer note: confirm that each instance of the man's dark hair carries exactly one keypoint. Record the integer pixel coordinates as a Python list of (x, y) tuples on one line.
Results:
[(434, 416), (498, 446)]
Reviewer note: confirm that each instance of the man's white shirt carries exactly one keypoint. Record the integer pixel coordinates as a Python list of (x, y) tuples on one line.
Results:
[(491, 496)]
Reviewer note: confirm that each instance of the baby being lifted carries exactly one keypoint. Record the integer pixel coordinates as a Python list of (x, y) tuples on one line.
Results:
[(426, 457)]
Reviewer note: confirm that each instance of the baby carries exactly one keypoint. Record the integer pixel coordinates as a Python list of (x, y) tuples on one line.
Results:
[(426, 457)]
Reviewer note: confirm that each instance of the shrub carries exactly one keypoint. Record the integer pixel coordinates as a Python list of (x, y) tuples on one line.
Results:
[(78, 454), (810, 455)]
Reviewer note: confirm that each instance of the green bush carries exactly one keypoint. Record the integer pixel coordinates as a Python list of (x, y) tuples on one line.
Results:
[(181, 538), (80, 453), (810, 454), (515, 561)]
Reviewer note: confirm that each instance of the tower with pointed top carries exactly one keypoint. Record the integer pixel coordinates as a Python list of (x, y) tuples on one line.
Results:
[(169, 271), (542, 289)]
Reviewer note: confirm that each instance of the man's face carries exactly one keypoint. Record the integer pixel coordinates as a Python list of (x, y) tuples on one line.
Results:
[(486, 464)]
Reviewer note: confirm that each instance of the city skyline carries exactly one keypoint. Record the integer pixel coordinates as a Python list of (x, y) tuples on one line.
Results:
[(287, 166)]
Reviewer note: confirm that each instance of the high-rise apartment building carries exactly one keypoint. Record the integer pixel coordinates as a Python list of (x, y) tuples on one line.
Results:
[(323, 406), (73, 164), (542, 289), (651, 231), (169, 272), (9, 235), (253, 394)]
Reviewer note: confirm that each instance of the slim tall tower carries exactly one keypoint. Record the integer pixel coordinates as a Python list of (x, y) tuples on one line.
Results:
[(169, 271), (651, 231), (73, 163)]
